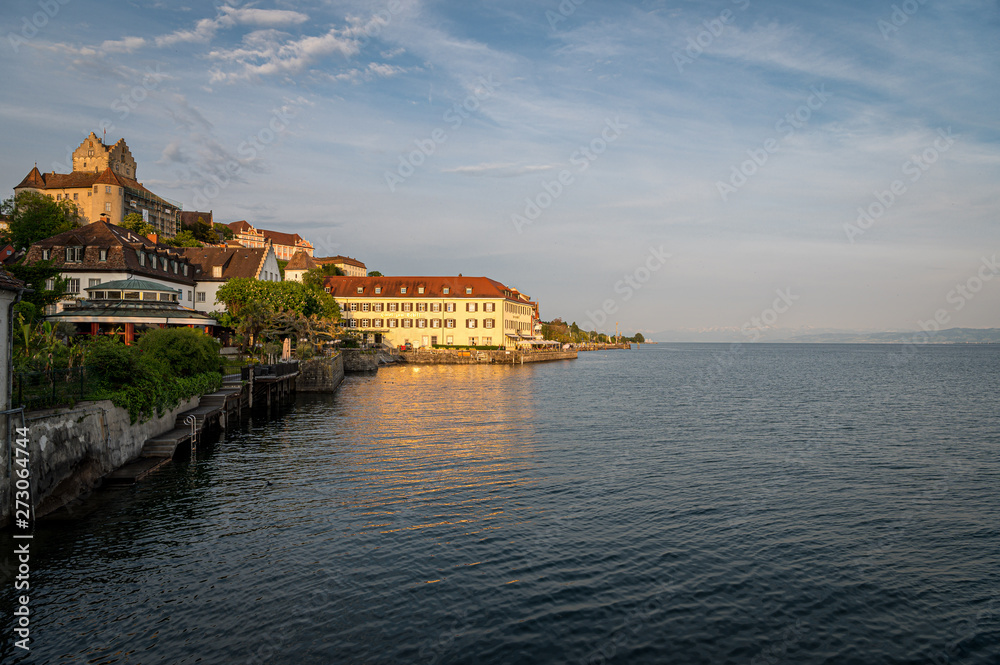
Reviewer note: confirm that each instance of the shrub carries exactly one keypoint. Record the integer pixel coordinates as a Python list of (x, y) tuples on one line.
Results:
[(181, 352), (114, 363)]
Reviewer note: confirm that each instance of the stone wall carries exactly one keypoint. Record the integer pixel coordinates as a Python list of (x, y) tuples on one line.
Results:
[(474, 357), (359, 360), (71, 450), (320, 375)]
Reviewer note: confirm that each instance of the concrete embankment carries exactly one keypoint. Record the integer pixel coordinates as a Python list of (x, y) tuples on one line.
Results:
[(321, 375), (71, 450)]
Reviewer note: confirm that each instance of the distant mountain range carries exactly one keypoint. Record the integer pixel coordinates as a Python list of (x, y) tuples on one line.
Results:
[(833, 336)]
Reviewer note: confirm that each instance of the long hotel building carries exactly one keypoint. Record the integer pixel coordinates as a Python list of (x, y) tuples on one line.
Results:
[(428, 311)]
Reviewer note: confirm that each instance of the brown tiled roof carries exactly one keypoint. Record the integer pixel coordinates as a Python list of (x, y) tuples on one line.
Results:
[(123, 248), (235, 262), (282, 238), (482, 287), (301, 261), (80, 179), (190, 217), (8, 282), (241, 226), (346, 260)]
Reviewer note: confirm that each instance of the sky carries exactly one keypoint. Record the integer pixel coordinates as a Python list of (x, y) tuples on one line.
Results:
[(729, 165)]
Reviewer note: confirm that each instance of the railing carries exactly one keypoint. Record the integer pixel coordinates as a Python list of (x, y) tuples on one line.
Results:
[(57, 387), (278, 370)]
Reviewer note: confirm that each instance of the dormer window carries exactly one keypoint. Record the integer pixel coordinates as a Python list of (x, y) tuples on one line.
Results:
[(446, 290), (46, 254), (468, 290), (361, 289), (402, 290), (216, 271), (185, 269), (103, 255), (420, 289), (378, 289), (74, 255), (142, 258)]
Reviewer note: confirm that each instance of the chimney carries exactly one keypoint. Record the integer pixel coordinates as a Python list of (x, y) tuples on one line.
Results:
[(152, 236), (104, 217)]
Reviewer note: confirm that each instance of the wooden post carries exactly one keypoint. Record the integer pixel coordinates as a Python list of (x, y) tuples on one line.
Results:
[(129, 333)]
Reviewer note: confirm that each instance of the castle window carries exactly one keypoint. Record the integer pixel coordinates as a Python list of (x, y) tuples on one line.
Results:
[(58, 197), (107, 207), (76, 196), (95, 189)]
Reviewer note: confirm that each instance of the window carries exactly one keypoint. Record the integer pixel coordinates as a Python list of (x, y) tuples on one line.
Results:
[(393, 323), (142, 258), (185, 271), (376, 323), (216, 271), (449, 339), (74, 254), (421, 307), (95, 189), (449, 307), (420, 289), (489, 307), (163, 262), (421, 323), (435, 307), (470, 323), (46, 254), (173, 266), (435, 323), (148, 295), (487, 341), (393, 307), (50, 283), (107, 207), (378, 289), (468, 290), (103, 256), (58, 197), (449, 323), (377, 307), (473, 342), (76, 196), (354, 307), (94, 281), (72, 285), (366, 323), (166, 296), (98, 295), (366, 307), (201, 296), (407, 323), (407, 306), (361, 289), (189, 295), (471, 307), (107, 189), (446, 290)]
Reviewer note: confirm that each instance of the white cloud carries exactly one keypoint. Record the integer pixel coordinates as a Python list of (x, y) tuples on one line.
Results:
[(500, 170)]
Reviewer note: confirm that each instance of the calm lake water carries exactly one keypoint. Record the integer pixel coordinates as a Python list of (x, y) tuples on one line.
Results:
[(679, 503)]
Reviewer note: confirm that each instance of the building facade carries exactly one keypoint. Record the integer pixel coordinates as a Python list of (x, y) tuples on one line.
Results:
[(348, 266), (214, 266), (103, 182), (285, 244), (300, 264), (434, 311), (103, 252)]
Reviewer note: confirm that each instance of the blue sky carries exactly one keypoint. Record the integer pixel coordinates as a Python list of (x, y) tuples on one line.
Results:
[(666, 165)]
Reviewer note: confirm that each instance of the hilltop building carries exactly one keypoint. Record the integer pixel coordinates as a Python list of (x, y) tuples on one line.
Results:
[(429, 311), (300, 264), (350, 267), (285, 244), (103, 182), (214, 266)]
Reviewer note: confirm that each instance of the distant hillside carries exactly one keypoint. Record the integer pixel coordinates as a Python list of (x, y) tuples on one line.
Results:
[(948, 336)]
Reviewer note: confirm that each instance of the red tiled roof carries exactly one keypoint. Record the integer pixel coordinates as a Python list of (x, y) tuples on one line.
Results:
[(240, 227), (340, 259), (482, 287), (80, 179), (281, 238), (190, 217)]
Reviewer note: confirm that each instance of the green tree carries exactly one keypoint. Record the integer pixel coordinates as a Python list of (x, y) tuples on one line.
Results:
[(182, 239), (316, 278), (374, 273), (278, 297), (134, 223), (40, 275), (203, 231), (227, 233), (639, 338), (35, 217)]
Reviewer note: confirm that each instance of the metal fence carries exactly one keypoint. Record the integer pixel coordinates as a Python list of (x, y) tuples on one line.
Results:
[(57, 387)]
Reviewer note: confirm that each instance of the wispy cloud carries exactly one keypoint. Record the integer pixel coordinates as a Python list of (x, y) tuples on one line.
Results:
[(505, 170)]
